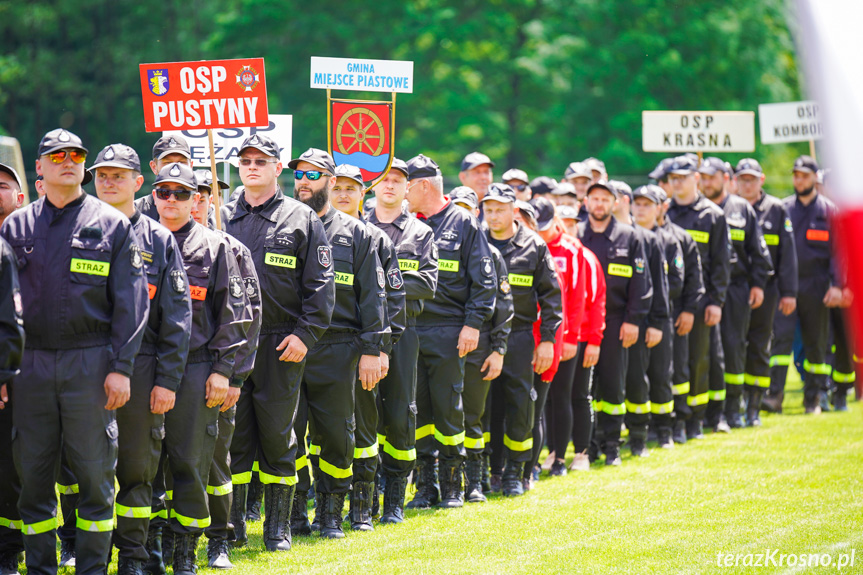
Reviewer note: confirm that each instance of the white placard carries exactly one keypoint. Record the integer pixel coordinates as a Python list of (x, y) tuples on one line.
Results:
[(226, 142), (668, 131), (362, 75), (789, 122)]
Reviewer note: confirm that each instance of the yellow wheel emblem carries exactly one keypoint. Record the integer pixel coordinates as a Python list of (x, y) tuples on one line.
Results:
[(360, 128)]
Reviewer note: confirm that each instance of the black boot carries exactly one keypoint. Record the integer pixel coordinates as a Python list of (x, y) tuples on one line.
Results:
[(753, 406), (380, 486), (840, 398), (361, 506), (9, 563), (679, 434), (154, 565), (474, 491), (67, 553), (277, 516), (331, 508), (316, 522), (452, 495), (300, 514), (185, 556), (732, 412), (253, 503), (511, 480), (168, 545), (694, 428), (663, 437), (486, 473), (217, 554), (394, 500), (427, 490), (238, 515), (772, 402), (638, 442), (611, 449), (127, 566)]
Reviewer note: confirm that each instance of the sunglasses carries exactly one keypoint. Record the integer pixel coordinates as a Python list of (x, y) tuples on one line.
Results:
[(310, 174), (77, 156), (260, 162), (519, 187), (165, 193)]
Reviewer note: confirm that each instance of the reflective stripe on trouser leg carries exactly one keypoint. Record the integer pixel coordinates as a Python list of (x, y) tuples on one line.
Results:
[(440, 383), (758, 340), (780, 349), (716, 385), (815, 333), (610, 383), (844, 371), (191, 430), (637, 402), (760, 381), (516, 384), (68, 488), (10, 487), (329, 384), (301, 430), (475, 394), (660, 377), (365, 437), (680, 365), (699, 364), (219, 485), (397, 407)]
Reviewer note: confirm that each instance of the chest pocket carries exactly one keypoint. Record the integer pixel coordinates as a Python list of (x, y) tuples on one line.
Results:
[(91, 261), (818, 233), (619, 263), (521, 272), (343, 266), (199, 279), (449, 254), (280, 260), (409, 258), (23, 249), (154, 272)]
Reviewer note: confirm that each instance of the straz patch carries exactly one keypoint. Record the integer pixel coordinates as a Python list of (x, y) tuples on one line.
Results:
[(505, 288), (620, 270), (135, 257), (395, 279), (381, 280), (447, 265), (251, 288), (814, 235), (178, 282), (151, 290), (521, 280), (198, 293), (90, 267), (325, 257), (236, 286), (409, 265), (281, 261), (487, 268), (345, 278)]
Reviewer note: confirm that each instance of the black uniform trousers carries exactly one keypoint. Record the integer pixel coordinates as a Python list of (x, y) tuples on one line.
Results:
[(219, 486), (10, 487), (539, 432), (727, 378), (637, 387), (609, 384), (814, 319), (660, 377), (582, 405), (515, 396), (757, 372), (59, 403), (701, 339), (191, 430), (475, 395), (844, 371), (397, 407), (265, 417), (561, 404), (440, 383), (680, 384), (366, 433)]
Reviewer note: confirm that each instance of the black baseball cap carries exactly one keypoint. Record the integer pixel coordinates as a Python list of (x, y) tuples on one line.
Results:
[(499, 193), (60, 139), (171, 145), (660, 172), (805, 164), (400, 165), (475, 159), (651, 192), (544, 212), (314, 156), (710, 166), (204, 179), (567, 213), (422, 167), (178, 174), (577, 170), (526, 207), (464, 195), (350, 172), (622, 188), (117, 156), (748, 166), (262, 143), (515, 174), (682, 166), (564, 189), (603, 185), (542, 185), (11, 171)]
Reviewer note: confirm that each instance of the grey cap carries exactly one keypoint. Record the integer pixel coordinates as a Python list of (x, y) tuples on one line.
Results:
[(682, 166), (542, 185), (622, 188), (651, 192), (660, 172), (399, 165), (117, 156), (475, 159), (499, 193), (603, 185), (350, 172), (526, 207), (171, 145), (564, 189), (11, 171), (578, 170), (544, 212), (316, 157), (178, 174), (567, 213), (515, 174), (464, 195), (595, 165), (59, 139), (748, 166), (204, 179), (422, 167), (712, 165), (805, 164), (262, 143)]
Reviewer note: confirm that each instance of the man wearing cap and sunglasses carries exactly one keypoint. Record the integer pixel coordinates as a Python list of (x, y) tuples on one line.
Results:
[(166, 150), (417, 257), (293, 259), (518, 181), (78, 259)]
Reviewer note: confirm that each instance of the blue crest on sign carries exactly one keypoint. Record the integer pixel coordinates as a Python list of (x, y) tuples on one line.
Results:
[(158, 81)]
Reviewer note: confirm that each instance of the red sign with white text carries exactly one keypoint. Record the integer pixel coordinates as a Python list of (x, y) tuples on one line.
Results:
[(204, 94)]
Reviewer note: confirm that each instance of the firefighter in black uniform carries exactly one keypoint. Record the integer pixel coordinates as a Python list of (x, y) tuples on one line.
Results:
[(294, 263), (77, 257), (219, 487), (811, 217), (353, 342), (750, 268), (417, 256), (448, 330), (482, 366), (705, 222), (629, 290), (221, 319), (781, 289), (656, 349), (154, 383), (346, 197), (166, 150)]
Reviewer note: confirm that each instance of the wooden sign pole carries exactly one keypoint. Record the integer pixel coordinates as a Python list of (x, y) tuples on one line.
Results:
[(214, 190)]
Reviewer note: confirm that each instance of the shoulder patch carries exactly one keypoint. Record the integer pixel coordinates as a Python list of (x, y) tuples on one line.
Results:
[(788, 227), (380, 274), (487, 268), (504, 285), (395, 278), (251, 288), (178, 282), (236, 287), (639, 265), (324, 257), (135, 257)]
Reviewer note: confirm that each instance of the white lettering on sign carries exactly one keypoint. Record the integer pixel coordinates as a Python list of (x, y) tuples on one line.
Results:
[(363, 75), (789, 122), (667, 131)]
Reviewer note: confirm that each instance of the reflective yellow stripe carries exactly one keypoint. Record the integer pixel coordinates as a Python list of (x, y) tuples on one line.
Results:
[(133, 512), (103, 526), (67, 489), (780, 360), (302, 462), (190, 521), (756, 380), (735, 378), (281, 261), (680, 388), (839, 377), (268, 479), (15, 524), (456, 439), (700, 237), (637, 407), (520, 280), (597, 406), (513, 445), (425, 431), (90, 267), (334, 471), (409, 265), (314, 449), (473, 442), (620, 270), (241, 478), (447, 265), (738, 235), (366, 452), (614, 408), (344, 278), (381, 438), (219, 490), (771, 239), (169, 495), (39, 527), (716, 395), (400, 454), (163, 513), (256, 467), (700, 399), (486, 437), (661, 408), (816, 368)]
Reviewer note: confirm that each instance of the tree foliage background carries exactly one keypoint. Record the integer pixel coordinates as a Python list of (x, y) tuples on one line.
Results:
[(534, 84)]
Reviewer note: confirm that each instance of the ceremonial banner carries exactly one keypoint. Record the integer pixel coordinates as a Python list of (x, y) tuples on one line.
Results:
[(361, 134)]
